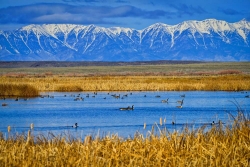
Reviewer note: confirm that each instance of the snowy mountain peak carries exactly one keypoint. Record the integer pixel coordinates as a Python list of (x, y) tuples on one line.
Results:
[(58, 28), (208, 39), (119, 30), (157, 26)]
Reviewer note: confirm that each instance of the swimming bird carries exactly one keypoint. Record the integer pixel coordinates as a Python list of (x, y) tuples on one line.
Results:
[(183, 95), (180, 101), (117, 97), (164, 101), (79, 99), (4, 104), (128, 108), (126, 95), (75, 126)]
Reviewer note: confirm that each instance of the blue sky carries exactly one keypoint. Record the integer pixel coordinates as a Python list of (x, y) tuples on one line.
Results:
[(137, 14)]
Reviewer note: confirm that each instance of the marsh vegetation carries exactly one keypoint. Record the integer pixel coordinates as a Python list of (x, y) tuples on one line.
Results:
[(30, 85), (161, 77)]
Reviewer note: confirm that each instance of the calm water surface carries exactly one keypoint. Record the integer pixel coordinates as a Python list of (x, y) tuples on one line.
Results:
[(100, 115)]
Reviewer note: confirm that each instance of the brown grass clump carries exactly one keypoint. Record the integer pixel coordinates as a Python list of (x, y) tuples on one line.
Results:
[(220, 146), (20, 90)]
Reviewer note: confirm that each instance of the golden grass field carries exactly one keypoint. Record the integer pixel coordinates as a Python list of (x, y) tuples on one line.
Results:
[(229, 82), (221, 145)]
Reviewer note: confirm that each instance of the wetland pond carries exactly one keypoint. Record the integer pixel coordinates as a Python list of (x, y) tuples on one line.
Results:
[(99, 113)]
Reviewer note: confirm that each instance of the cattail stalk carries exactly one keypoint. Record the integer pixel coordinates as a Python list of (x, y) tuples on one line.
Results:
[(31, 126)]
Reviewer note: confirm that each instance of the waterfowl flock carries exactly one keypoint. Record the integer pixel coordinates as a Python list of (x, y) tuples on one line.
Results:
[(80, 97), (177, 101)]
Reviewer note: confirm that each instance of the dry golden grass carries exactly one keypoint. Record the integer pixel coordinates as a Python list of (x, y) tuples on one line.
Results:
[(17, 89), (133, 83), (220, 146)]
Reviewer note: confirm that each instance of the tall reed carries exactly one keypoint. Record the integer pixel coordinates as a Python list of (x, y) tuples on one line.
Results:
[(135, 83), (16, 89)]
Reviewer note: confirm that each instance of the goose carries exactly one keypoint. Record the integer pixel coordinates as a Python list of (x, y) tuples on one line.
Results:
[(157, 96), (128, 108), (164, 101), (79, 99), (4, 104), (17, 99), (117, 97), (180, 101)]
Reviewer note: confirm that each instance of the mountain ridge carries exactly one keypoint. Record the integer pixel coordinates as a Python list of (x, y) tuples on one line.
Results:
[(210, 39)]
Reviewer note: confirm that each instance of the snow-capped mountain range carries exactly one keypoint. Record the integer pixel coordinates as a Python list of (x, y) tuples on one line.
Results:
[(212, 40)]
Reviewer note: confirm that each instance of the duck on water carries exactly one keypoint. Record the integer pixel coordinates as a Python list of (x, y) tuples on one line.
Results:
[(128, 108), (75, 126)]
